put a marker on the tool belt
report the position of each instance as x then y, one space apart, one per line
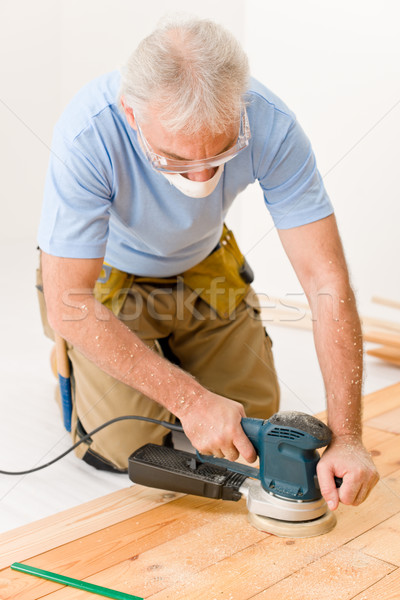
222 279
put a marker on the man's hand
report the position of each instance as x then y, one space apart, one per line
347 458
212 424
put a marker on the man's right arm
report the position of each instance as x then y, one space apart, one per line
76 315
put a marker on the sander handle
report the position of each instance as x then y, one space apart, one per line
179 471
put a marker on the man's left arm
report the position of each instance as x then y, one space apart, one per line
316 254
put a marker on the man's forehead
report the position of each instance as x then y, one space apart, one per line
169 154
180 146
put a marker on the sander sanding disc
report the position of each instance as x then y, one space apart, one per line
294 529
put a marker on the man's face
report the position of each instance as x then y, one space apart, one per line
183 147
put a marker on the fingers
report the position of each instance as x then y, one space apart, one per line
327 485
229 454
214 428
234 442
222 446
357 486
351 492
244 447
357 470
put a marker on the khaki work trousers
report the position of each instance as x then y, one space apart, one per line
229 356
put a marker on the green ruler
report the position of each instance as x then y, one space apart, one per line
76 583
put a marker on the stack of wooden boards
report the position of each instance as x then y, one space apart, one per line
289 312
389 341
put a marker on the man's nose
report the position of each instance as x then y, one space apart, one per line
203 175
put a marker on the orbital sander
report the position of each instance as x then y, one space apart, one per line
283 496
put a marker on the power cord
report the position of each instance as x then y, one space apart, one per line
166 424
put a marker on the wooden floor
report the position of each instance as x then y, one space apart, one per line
162 546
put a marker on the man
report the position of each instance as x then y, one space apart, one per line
149 288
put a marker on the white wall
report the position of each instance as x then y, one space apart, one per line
336 64
49 50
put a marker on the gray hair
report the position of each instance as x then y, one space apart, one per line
194 72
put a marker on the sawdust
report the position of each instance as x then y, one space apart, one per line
176 563
302 421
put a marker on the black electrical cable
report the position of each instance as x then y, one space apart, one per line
171 426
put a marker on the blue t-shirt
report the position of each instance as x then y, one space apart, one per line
103 198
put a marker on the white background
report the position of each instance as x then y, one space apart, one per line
335 63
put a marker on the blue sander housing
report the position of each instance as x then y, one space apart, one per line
283 496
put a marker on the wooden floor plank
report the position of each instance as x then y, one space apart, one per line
114 544
229 557
244 574
388 421
376 403
176 561
392 482
387 353
337 576
372 437
352 521
386 456
381 401
381 541
164 546
388 588
48 533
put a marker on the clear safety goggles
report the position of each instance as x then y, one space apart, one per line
171 165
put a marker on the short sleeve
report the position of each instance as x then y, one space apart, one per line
293 188
77 200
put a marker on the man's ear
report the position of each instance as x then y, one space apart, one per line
130 117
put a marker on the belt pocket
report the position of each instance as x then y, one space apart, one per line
222 278
112 288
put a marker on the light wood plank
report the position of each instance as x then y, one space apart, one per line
386 301
202 549
111 545
390 340
224 555
257 571
249 571
178 560
337 576
245 573
128 540
381 541
50 532
392 482
386 456
381 401
380 324
372 437
388 588
376 403
391 355
388 421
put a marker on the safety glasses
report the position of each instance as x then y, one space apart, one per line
170 165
